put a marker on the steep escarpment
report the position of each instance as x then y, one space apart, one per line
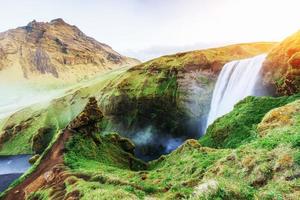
54 51
182 83
281 68
157 104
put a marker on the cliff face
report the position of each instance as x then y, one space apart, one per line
165 98
55 50
282 66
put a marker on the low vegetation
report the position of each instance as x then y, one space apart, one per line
266 167
238 127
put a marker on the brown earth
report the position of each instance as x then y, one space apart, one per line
49 170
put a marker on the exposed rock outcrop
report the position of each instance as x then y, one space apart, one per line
86 121
41 139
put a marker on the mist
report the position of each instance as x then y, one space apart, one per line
16 98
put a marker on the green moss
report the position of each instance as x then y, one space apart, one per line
94 190
239 126
39 195
92 153
297 158
248 172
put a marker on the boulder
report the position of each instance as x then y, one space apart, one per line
33 159
86 121
40 139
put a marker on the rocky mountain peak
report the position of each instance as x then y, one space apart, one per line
56 50
58 21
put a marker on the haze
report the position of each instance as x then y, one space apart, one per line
149 28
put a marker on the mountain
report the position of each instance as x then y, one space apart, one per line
54 51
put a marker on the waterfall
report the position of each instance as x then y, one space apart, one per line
236 81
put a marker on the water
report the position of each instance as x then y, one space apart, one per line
237 80
14 164
11 168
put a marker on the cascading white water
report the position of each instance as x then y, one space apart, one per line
236 81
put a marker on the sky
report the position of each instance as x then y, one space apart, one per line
146 29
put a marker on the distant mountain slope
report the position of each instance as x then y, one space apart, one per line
54 50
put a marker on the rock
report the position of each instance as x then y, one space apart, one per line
260 180
4 136
10 130
127 145
206 189
261 175
86 121
41 139
34 158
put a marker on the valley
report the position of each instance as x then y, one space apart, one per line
216 123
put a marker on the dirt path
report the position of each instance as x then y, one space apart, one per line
44 173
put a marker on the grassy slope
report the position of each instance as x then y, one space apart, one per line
205 58
267 167
264 168
238 127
